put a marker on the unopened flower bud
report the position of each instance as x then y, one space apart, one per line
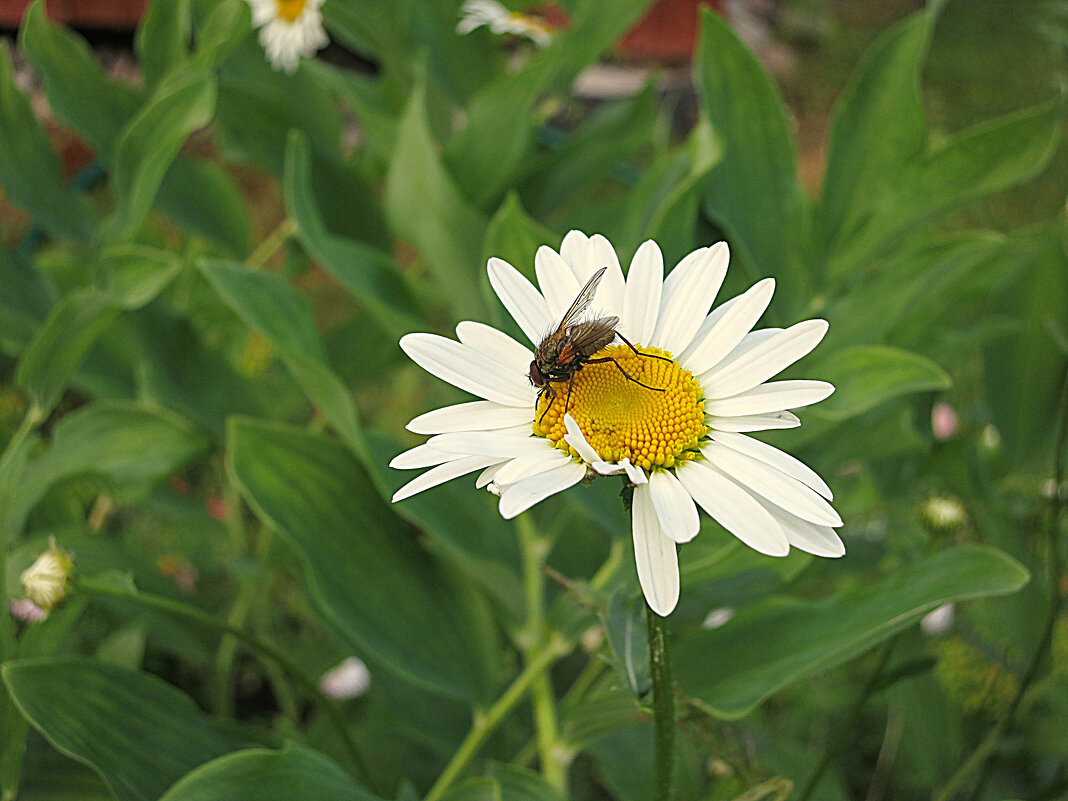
45 581
942 514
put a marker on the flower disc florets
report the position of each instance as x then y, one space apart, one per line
620 418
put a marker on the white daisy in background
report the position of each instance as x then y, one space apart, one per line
682 445
289 30
476 13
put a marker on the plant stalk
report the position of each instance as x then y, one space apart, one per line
170 606
486 724
663 706
272 242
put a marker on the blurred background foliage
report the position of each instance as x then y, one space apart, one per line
205 268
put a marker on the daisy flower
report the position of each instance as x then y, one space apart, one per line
476 13
677 426
289 30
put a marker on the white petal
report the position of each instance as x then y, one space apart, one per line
577 440
767 359
422 456
489 474
733 508
523 301
688 294
634 473
641 301
468 369
770 483
586 255
813 539
776 396
530 465
441 474
771 455
489 443
675 508
473 416
655 556
556 281
754 422
495 344
723 330
519 497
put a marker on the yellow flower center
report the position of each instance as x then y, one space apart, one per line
622 419
289 10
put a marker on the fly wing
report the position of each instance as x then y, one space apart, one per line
589 337
582 300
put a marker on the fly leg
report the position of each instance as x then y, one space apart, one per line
628 375
637 352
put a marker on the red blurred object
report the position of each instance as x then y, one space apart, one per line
667 32
119 14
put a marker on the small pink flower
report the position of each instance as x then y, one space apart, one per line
943 421
216 507
26 611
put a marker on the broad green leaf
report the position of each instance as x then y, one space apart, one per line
728 671
480 788
753 192
30 171
626 630
138 732
368 578
369 274
270 306
426 208
149 144
260 774
225 28
25 299
127 443
877 129
1023 372
489 150
967 166
521 784
60 344
202 198
136 274
600 146
72 75
371 104
162 39
867 375
514 236
663 206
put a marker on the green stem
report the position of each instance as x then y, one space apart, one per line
272 243
12 463
845 731
486 724
170 606
534 550
976 761
663 706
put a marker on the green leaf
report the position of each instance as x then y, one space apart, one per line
138 732
728 671
260 774
270 306
753 192
867 375
967 166
514 236
521 784
877 129
136 274
225 28
480 788
25 299
150 143
30 171
368 578
127 443
1023 372
426 208
72 74
203 198
497 137
162 40
60 344
369 274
